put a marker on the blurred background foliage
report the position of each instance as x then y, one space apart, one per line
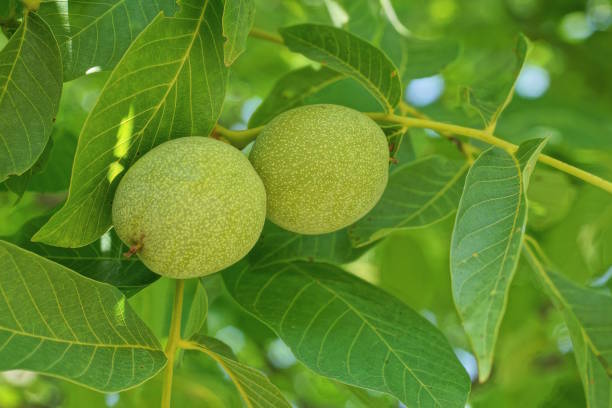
564 93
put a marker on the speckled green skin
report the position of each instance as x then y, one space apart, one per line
324 167
197 203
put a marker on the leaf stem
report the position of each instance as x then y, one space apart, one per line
492 140
264 35
238 138
174 340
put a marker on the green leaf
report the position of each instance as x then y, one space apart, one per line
292 90
277 244
492 89
344 328
169 84
417 58
487 241
57 322
19 184
254 387
418 194
196 304
350 55
102 260
588 315
30 88
96 34
238 17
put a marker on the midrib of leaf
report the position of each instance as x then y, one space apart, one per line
374 89
566 306
337 295
519 201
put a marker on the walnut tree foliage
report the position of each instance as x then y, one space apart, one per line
482 276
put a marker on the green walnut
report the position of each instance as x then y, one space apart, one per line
190 207
323 166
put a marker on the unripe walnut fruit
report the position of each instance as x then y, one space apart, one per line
190 207
323 166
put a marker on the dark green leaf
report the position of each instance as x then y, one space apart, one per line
418 194
238 16
102 260
346 329
30 88
588 315
57 322
291 91
348 54
96 34
254 387
486 243
279 245
169 84
196 308
19 184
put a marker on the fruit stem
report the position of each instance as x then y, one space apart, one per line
174 339
238 138
492 140
264 35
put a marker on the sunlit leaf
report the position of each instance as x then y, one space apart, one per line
487 241
170 83
588 315
344 328
418 194
54 321
291 91
30 88
254 387
238 18
349 54
93 34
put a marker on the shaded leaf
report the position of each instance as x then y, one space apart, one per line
486 243
195 303
492 89
254 387
57 322
348 54
102 260
291 91
170 84
19 184
418 194
238 16
96 34
277 244
588 315
30 89
344 328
